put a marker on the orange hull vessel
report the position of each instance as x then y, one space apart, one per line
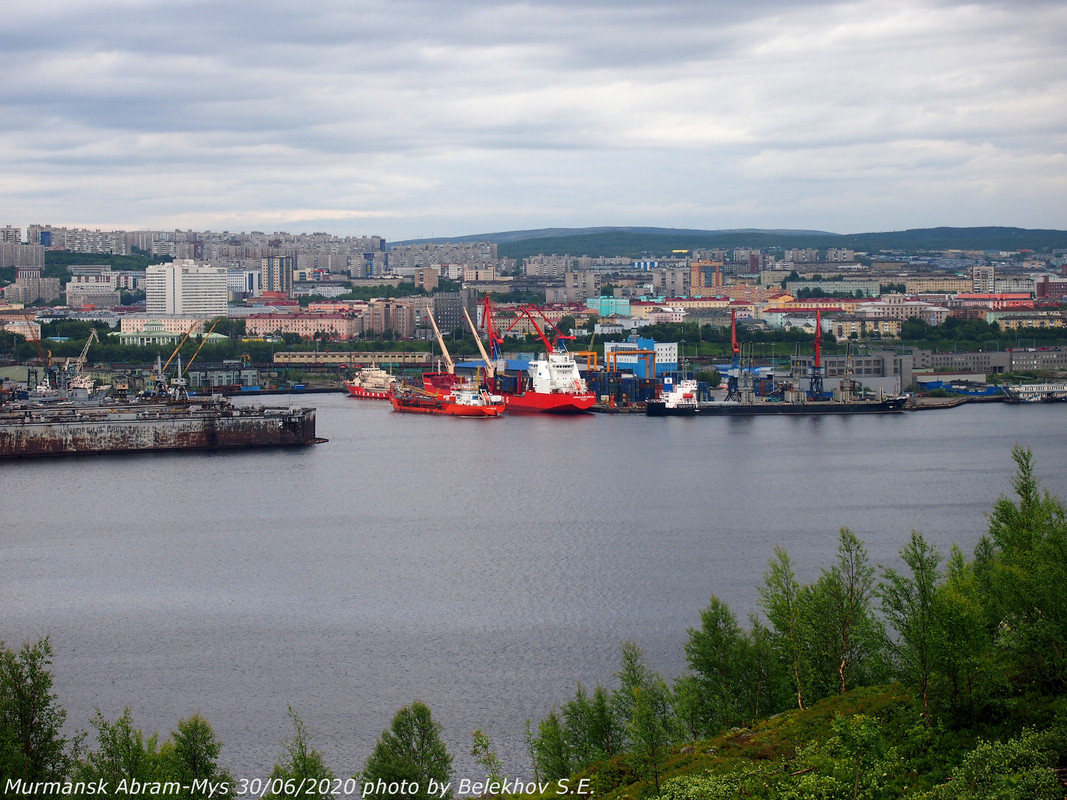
460 401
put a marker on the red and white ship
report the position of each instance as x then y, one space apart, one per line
370 383
550 385
462 400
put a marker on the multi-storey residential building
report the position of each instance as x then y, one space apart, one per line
671 282
427 279
581 286
548 266
849 326
1027 320
11 234
79 240
277 274
243 283
898 306
840 255
983 279
802 255
100 290
406 257
477 274
933 284
30 286
183 287
392 317
13 254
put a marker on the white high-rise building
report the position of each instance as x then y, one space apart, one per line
183 287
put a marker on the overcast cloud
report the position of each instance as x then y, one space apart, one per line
413 118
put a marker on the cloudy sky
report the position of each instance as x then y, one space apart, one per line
419 118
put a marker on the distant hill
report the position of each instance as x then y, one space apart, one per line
640 242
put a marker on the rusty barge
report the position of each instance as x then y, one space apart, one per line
137 427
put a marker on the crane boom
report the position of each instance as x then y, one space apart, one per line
490 370
179 347
85 350
495 340
441 341
203 341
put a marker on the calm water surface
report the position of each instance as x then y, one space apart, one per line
481 566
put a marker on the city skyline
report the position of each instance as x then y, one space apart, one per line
416 120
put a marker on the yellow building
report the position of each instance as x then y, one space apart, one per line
843 327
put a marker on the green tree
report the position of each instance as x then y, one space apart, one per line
32 746
780 598
845 612
651 729
909 602
123 755
633 674
483 753
410 753
961 639
719 654
591 730
1026 574
550 749
859 739
193 753
301 765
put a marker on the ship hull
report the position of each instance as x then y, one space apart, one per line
32 433
550 403
460 402
364 393
814 408
657 408
442 407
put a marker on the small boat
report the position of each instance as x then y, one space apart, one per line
370 383
462 400
679 401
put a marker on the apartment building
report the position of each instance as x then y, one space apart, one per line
184 287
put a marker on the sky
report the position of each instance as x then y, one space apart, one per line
426 118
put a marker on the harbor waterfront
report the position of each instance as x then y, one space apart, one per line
483 569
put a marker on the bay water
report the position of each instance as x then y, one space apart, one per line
482 566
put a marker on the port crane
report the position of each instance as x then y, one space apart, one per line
733 391
158 382
440 382
496 341
490 368
815 383
556 345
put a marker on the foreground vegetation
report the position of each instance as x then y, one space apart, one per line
945 680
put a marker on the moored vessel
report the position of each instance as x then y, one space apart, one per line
154 426
370 383
680 400
550 385
461 400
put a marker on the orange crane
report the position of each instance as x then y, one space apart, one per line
733 391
